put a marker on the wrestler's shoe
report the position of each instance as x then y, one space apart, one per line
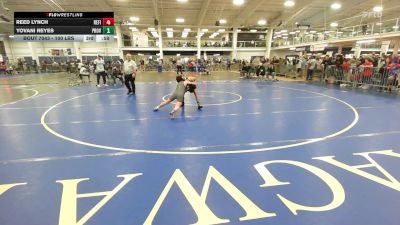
172 115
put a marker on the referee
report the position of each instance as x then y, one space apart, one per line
130 70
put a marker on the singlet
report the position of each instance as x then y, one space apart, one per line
179 92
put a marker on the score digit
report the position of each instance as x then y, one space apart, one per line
108 21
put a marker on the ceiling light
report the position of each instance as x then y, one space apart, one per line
366 41
221 30
289 3
292 32
204 30
395 27
180 20
327 32
262 22
222 21
169 29
336 5
283 31
134 19
182 0
379 24
378 8
253 30
340 32
284 34
285 37
313 32
187 29
238 2
334 24
297 31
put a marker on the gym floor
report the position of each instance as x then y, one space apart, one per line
259 152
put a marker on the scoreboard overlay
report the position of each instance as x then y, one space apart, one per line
64 26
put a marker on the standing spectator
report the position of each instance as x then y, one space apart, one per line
311 66
116 72
368 70
364 29
100 70
142 67
339 62
394 73
179 66
3 68
130 70
298 63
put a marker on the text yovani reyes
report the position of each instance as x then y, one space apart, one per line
205 214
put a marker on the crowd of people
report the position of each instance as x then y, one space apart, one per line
376 69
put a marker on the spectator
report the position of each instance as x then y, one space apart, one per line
311 66
271 72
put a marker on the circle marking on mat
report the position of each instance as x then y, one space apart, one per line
309 141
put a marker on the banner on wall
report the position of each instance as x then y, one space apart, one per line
317 48
61 52
303 49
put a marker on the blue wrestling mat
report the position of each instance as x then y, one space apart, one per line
258 153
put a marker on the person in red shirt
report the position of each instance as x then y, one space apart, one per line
346 68
368 70
3 68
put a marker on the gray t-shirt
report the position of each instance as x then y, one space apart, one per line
99 65
312 64
129 67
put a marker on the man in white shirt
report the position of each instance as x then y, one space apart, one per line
312 65
130 69
100 71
